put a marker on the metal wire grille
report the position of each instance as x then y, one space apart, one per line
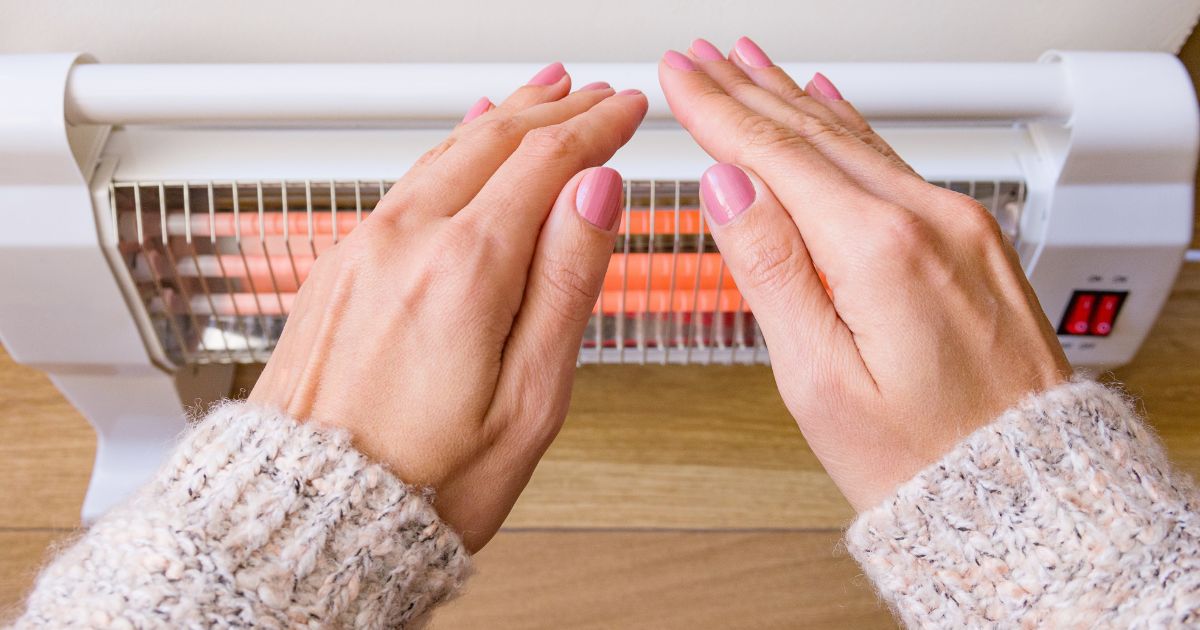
217 266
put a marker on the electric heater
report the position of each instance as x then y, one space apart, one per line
156 221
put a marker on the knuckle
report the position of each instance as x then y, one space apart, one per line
760 134
569 293
742 88
898 235
497 129
863 129
772 263
553 142
973 221
818 131
858 125
544 408
433 154
793 93
398 197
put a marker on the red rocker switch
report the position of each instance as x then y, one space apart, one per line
1092 313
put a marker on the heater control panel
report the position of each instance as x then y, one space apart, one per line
1092 313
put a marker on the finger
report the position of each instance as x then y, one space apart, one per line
738 78
824 201
872 169
770 263
447 185
820 99
481 107
924 194
565 277
596 85
750 58
513 204
548 84
821 89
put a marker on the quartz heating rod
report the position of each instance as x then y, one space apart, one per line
217 266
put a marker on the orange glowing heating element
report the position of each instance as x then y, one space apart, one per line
258 260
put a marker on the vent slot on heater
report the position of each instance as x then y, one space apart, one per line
217 266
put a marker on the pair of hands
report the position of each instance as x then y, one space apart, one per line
443 332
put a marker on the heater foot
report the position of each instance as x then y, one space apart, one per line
137 418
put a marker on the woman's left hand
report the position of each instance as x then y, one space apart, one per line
443 331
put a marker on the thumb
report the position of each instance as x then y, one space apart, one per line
768 259
564 279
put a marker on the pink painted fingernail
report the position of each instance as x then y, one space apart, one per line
477 109
599 197
751 53
549 75
678 60
706 51
826 87
596 85
629 92
726 191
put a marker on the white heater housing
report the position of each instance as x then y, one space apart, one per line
155 220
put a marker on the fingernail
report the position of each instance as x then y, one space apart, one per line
599 197
751 53
477 109
549 75
826 87
726 191
679 61
596 85
706 51
629 92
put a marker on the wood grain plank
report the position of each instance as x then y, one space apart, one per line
21 553
665 580
590 579
671 446
46 451
1165 374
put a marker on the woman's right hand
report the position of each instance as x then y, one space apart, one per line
897 315
442 333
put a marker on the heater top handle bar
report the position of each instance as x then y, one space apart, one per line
122 94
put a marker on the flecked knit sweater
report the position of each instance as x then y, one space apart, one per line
1061 513
257 522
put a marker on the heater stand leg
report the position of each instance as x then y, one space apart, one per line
137 418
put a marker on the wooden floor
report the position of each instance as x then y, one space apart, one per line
674 498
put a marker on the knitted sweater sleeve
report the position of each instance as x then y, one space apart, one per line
1061 513
257 521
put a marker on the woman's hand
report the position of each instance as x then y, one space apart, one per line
443 332
897 316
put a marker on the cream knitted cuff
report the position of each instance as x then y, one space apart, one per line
1061 513
258 521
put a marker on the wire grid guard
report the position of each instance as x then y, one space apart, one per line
217 266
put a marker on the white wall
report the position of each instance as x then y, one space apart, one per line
615 30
